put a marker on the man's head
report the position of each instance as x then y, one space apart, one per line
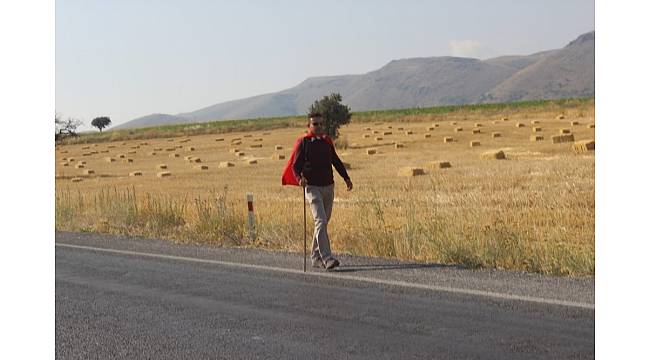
316 123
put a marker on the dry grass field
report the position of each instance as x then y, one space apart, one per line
532 211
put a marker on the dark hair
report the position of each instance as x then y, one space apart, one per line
314 115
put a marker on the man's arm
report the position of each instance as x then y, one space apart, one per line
299 160
338 165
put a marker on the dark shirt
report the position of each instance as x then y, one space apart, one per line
317 167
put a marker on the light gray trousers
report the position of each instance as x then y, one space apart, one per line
320 199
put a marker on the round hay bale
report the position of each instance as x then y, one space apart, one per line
170 149
474 143
375 132
258 139
128 160
153 153
558 139
135 173
64 163
81 162
190 148
440 164
371 151
431 128
225 164
504 119
400 128
164 174
452 123
410 171
121 156
494 154
536 138
367 129
161 166
495 122
447 139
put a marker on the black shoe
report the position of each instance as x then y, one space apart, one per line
318 263
331 264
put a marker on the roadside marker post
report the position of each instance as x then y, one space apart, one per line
251 216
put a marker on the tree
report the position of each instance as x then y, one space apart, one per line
101 122
334 113
65 128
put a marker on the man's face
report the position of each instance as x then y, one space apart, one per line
316 125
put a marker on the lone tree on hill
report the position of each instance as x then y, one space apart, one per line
334 113
101 122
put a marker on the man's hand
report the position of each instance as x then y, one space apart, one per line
348 182
303 181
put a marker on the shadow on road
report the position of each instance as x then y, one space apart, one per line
375 267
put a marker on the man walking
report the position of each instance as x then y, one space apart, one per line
310 166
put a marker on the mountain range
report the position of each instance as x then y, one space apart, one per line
420 82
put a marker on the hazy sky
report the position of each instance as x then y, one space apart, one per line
127 59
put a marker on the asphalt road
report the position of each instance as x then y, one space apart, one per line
119 297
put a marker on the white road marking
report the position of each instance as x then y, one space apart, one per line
489 294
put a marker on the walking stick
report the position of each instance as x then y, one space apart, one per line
304 243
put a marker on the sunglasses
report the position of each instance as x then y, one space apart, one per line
315 124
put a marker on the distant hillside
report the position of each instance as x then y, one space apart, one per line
421 82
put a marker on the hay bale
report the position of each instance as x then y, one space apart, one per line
200 167
495 122
225 164
410 171
408 132
81 162
452 123
476 131
447 139
109 159
379 138
390 127
218 139
170 140
86 154
537 129
85 147
190 148
278 147
80 166
89 172
235 143
431 128
179 146
170 149
557 139
64 163
398 146
248 135
365 136
153 153
64 151
387 133
235 139
194 160
135 173
128 160
519 125
504 119
458 129
494 154
591 126
367 129
474 143
164 174
536 138
174 155
560 117
277 157
131 152
121 156
534 122
574 123
565 131
104 151
375 132
583 146
440 164
71 159
400 128
234 150
371 151
161 166
258 139
253 146
426 136
240 154
76 179
252 162
185 140
478 125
